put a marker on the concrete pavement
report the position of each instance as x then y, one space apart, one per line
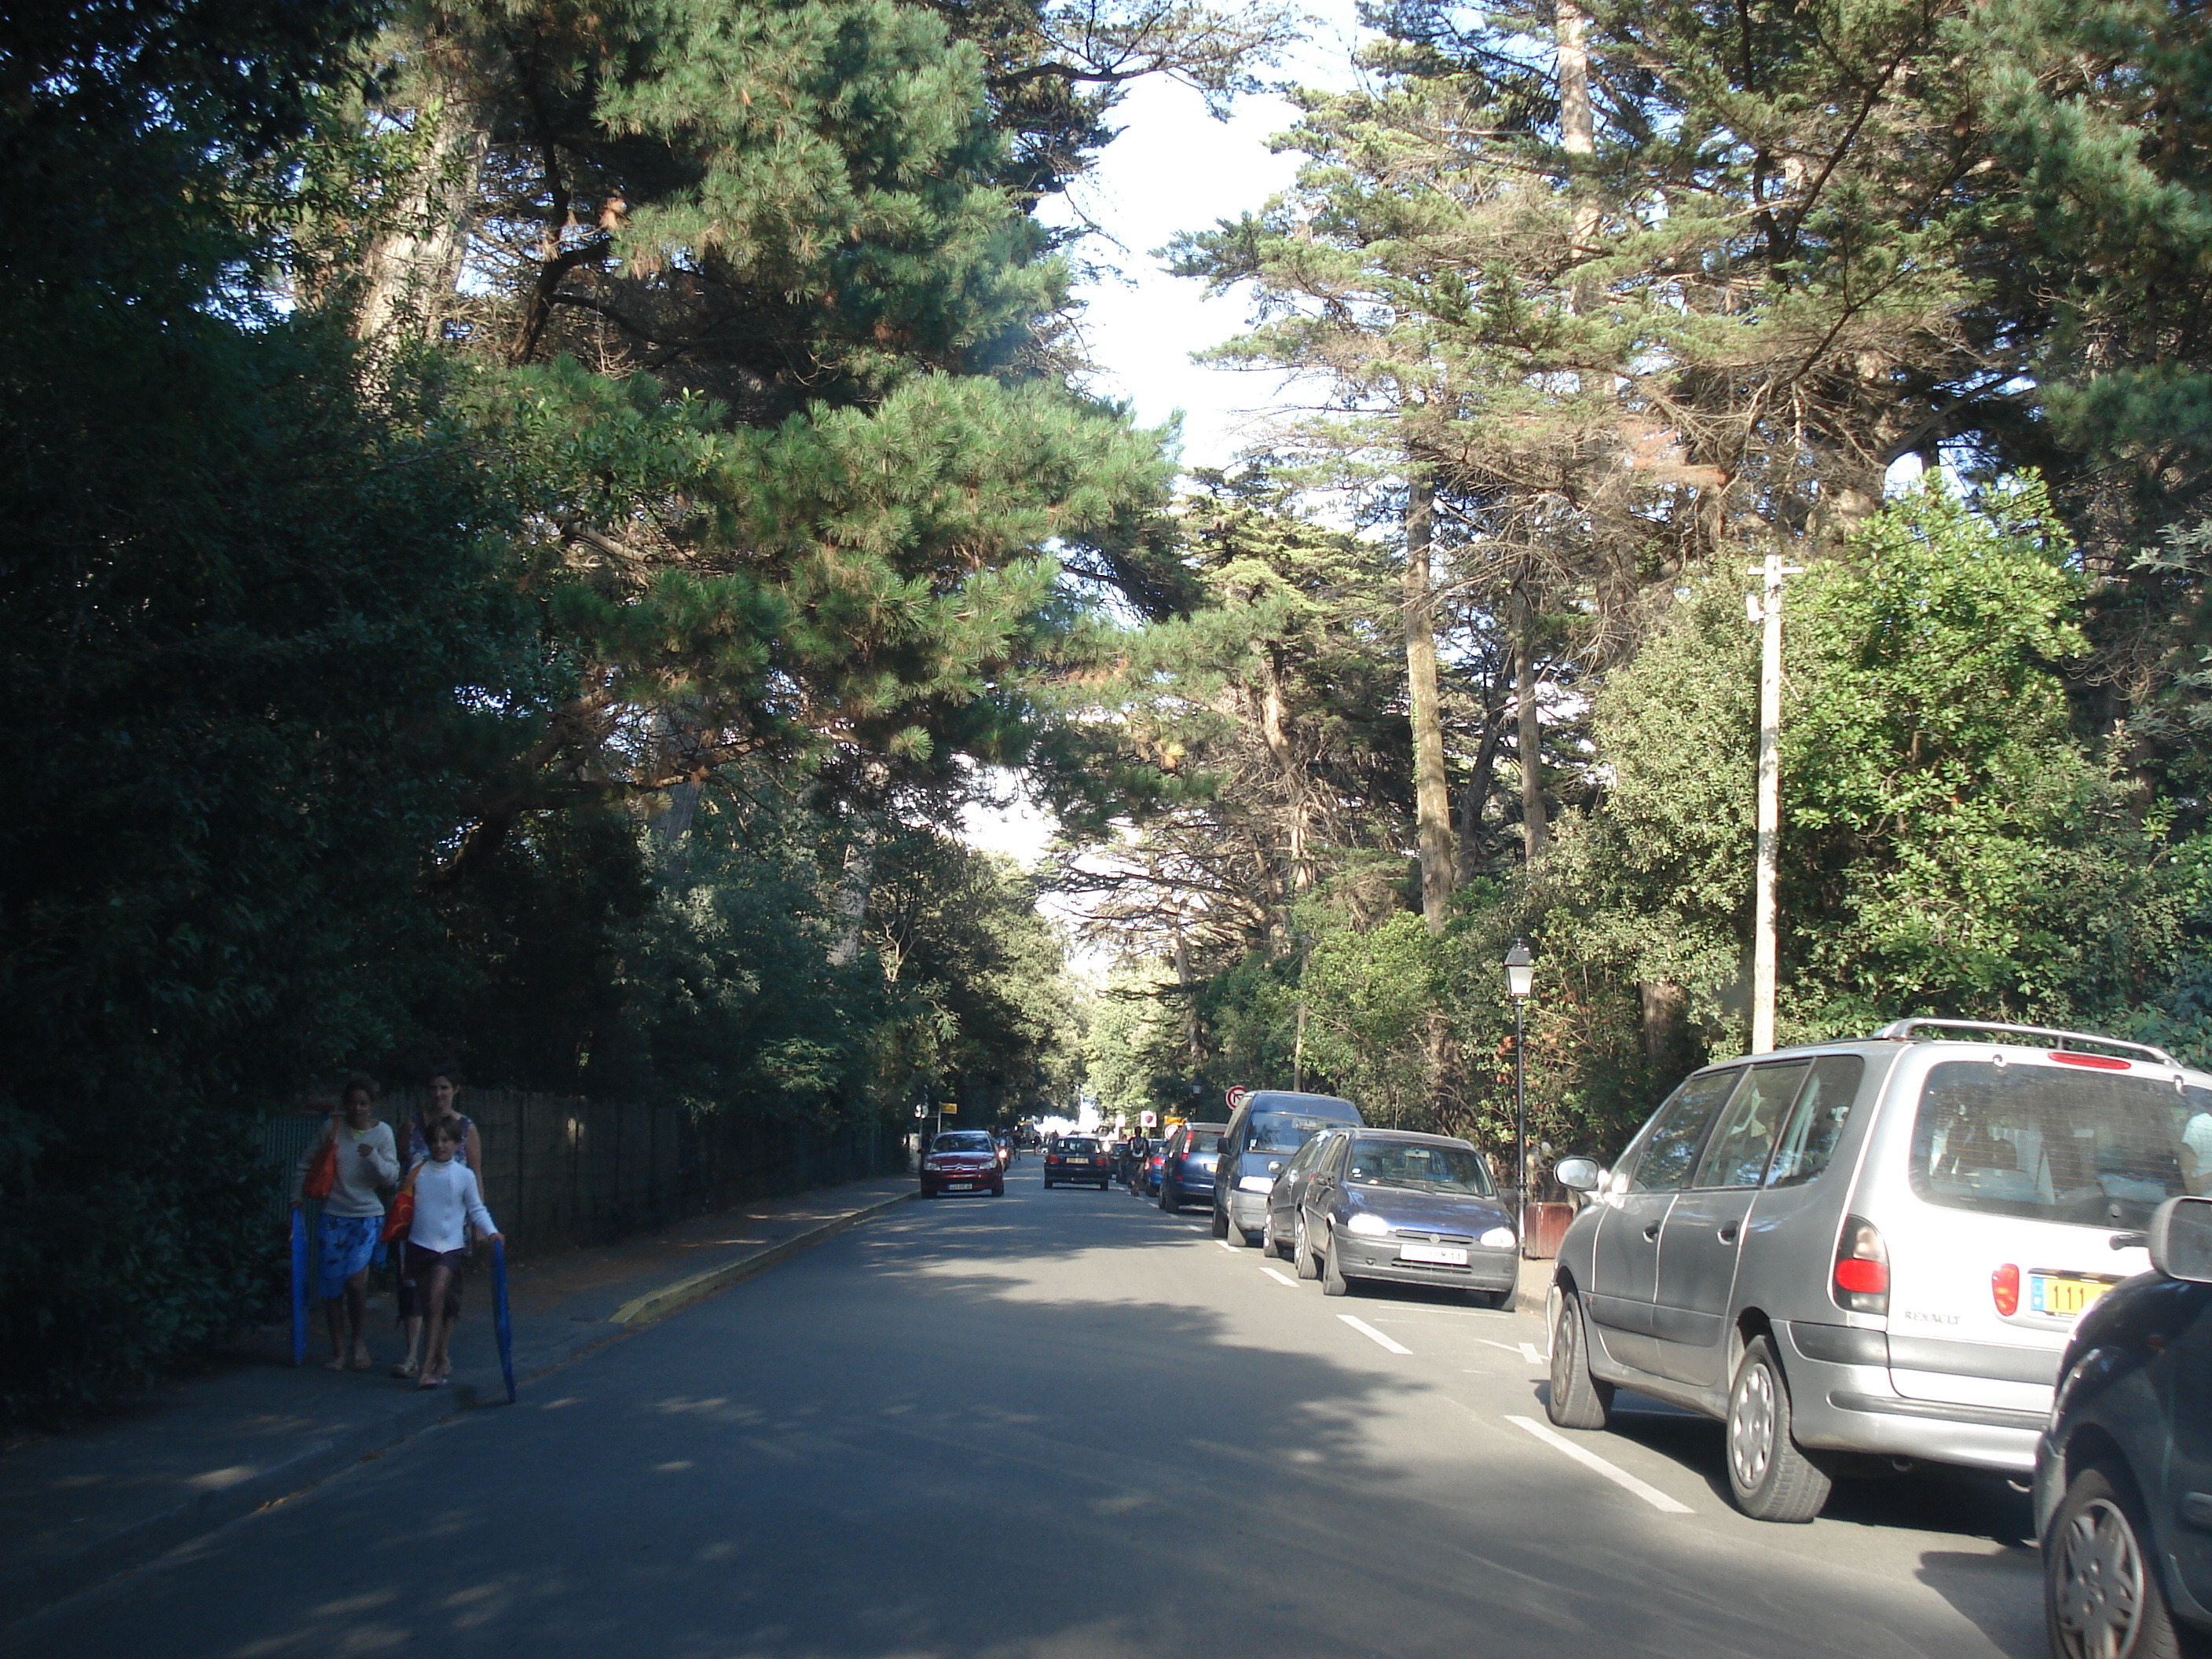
1066 1425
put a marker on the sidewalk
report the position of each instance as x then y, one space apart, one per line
193 1454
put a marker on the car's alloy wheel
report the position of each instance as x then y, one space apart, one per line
1575 1400
1771 1479
2102 1598
1302 1250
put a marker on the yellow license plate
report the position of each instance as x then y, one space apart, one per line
2062 1297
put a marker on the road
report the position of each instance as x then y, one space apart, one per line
1064 1424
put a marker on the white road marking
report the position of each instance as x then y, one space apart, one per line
1280 1279
1372 1334
1526 1350
1590 1459
1226 1245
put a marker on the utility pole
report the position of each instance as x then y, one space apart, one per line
1767 612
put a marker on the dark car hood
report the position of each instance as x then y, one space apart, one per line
1434 1213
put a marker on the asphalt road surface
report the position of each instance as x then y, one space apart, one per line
1064 1423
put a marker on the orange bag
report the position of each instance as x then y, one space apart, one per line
401 1216
323 1173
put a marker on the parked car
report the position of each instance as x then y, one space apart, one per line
1264 1133
1876 1246
1187 1165
1288 1191
1078 1160
1145 1179
2124 1474
1415 1209
961 1161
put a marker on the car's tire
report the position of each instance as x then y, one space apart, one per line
1169 1201
1332 1279
1491 1298
1047 1183
2101 1593
1220 1224
1302 1253
1770 1477
1576 1399
998 1191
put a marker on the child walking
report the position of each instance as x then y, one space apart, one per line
352 1215
447 1200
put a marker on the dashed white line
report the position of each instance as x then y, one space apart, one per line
1620 1477
1372 1334
1280 1279
1526 1350
1226 1245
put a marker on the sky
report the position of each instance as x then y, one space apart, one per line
1174 167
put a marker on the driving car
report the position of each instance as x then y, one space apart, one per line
961 1161
1413 1208
2123 1473
1266 1128
1146 1182
1186 1164
1078 1160
1872 1246
1288 1191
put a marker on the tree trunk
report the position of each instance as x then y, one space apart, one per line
1535 826
853 886
1577 129
1275 734
412 268
1432 794
1472 799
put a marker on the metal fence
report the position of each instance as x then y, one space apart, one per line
561 1171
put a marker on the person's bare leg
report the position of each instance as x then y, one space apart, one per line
414 1324
356 1307
334 1313
431 1287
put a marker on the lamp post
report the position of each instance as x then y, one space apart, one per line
1520 979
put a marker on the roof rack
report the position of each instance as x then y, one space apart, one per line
1901 1030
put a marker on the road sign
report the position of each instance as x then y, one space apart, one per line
950 1109
1150 1120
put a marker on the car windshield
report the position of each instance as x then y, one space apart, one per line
1416 1164
966 1140
1285 1132
1079 1148
2095 1149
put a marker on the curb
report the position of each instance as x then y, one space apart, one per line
654 1305
27 1590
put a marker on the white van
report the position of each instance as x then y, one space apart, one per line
1877 1246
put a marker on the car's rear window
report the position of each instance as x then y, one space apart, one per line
1285 1132
1079 1148
971 1140
2093 1148
1413 1163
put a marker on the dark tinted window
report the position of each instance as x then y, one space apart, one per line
964 1140
1077 1148
1816 1123
1735 1152
2057 1144
1659 1160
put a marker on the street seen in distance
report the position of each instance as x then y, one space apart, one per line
1065 1424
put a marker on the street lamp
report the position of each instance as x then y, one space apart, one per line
1520 979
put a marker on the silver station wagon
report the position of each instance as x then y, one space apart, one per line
1873 1247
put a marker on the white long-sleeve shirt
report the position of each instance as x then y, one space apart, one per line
446 1197
353 1190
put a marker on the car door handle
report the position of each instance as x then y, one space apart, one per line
1729 1232
1652 1231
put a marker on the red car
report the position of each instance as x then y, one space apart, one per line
1076 1159
963 1161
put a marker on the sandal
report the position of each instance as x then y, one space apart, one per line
431 1382
335 1362
362 1362
405 1368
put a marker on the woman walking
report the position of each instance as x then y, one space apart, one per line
445 1085
447 1202
352 1215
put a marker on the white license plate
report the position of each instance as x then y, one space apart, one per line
959 1186
1438 1255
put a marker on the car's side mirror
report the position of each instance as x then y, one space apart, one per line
1577 1174
2181 1239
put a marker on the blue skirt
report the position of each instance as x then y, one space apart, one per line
344 1245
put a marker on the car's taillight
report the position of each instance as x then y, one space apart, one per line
2004 1289
1861 1268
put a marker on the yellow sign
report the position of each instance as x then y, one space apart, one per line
953 1110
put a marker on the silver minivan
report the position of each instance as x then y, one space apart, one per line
1876 1246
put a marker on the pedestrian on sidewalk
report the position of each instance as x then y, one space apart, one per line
444 1088
447 1201
352 1216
